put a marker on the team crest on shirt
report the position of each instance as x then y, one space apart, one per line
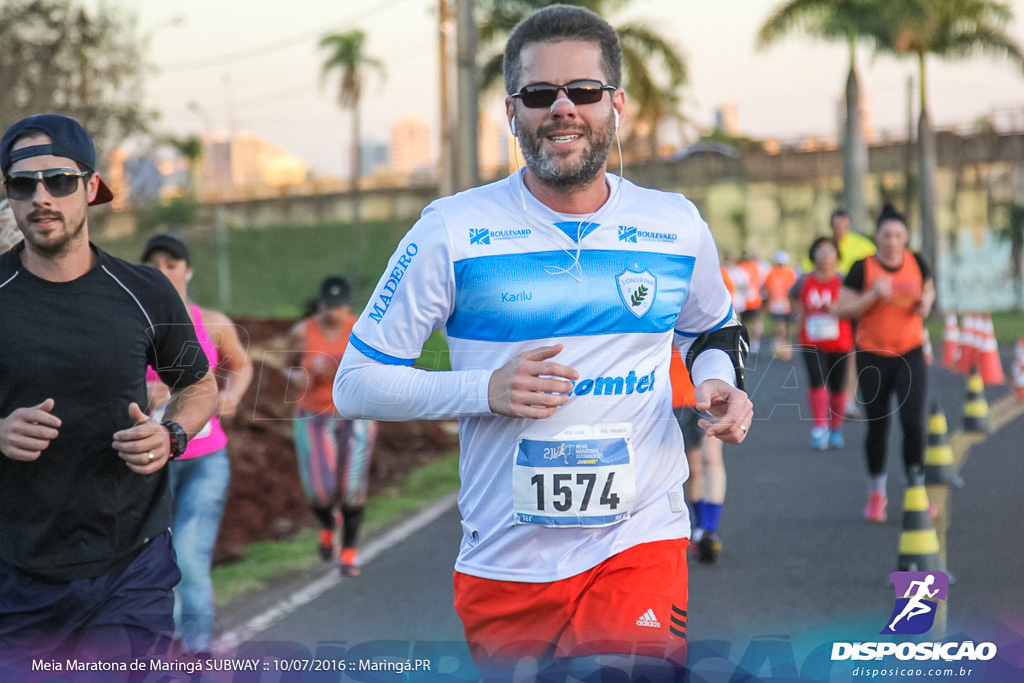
637 290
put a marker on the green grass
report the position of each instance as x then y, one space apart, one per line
435 354
1008 325
267 560
275 270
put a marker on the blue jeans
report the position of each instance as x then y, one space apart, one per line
199 487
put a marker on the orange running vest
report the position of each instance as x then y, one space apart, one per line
892 327
320 360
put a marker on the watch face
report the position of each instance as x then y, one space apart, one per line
179 438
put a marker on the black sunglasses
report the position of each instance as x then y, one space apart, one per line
59 182
540 95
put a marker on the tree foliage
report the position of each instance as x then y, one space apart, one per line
346 54
948 29
831 20
56 56
836 20
654 71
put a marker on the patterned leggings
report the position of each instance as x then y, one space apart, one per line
334 458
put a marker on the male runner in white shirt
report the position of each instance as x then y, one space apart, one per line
560 290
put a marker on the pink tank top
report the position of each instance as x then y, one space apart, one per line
211 437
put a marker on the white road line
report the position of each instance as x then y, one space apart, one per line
261 622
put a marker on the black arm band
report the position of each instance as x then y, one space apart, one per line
732 339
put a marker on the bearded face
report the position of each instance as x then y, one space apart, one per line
567 169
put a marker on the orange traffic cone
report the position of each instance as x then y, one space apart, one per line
950 339
968 353
1018 368
989 365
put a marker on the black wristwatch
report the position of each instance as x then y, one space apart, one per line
179 439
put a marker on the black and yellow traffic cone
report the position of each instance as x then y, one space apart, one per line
939 465
976 407
919 544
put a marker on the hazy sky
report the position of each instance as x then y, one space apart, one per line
255 67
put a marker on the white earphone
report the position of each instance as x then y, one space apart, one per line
513 124
616 112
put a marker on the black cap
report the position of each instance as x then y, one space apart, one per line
169 243
335 291
67 139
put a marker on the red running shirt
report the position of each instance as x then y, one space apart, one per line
820 327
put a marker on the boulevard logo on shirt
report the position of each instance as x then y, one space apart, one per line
632 235
486 235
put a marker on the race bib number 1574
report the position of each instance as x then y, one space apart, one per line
574 481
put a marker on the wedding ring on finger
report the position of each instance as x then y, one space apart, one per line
151 456
743 428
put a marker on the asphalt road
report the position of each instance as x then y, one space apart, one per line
800 568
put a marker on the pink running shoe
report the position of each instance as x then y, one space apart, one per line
875 510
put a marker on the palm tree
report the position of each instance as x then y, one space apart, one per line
655 102
346 55
949 29
644 53
849 21
191 149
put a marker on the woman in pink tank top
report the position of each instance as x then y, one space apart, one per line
199 478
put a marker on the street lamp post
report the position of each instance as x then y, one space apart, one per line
220 228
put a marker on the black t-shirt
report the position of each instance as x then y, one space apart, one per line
77 511
855 278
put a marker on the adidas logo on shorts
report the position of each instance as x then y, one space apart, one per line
648 619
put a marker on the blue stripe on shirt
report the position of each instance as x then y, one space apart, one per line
721 324
519 297
376 355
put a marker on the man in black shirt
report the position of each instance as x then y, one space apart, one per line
86 563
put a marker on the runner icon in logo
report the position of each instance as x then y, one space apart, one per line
917 595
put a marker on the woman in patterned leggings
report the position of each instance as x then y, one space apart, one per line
333 454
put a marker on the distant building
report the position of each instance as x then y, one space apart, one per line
411 146
866 125
285 169
492 145
143 179
727 118
216 171
247 160
115 179
373 157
